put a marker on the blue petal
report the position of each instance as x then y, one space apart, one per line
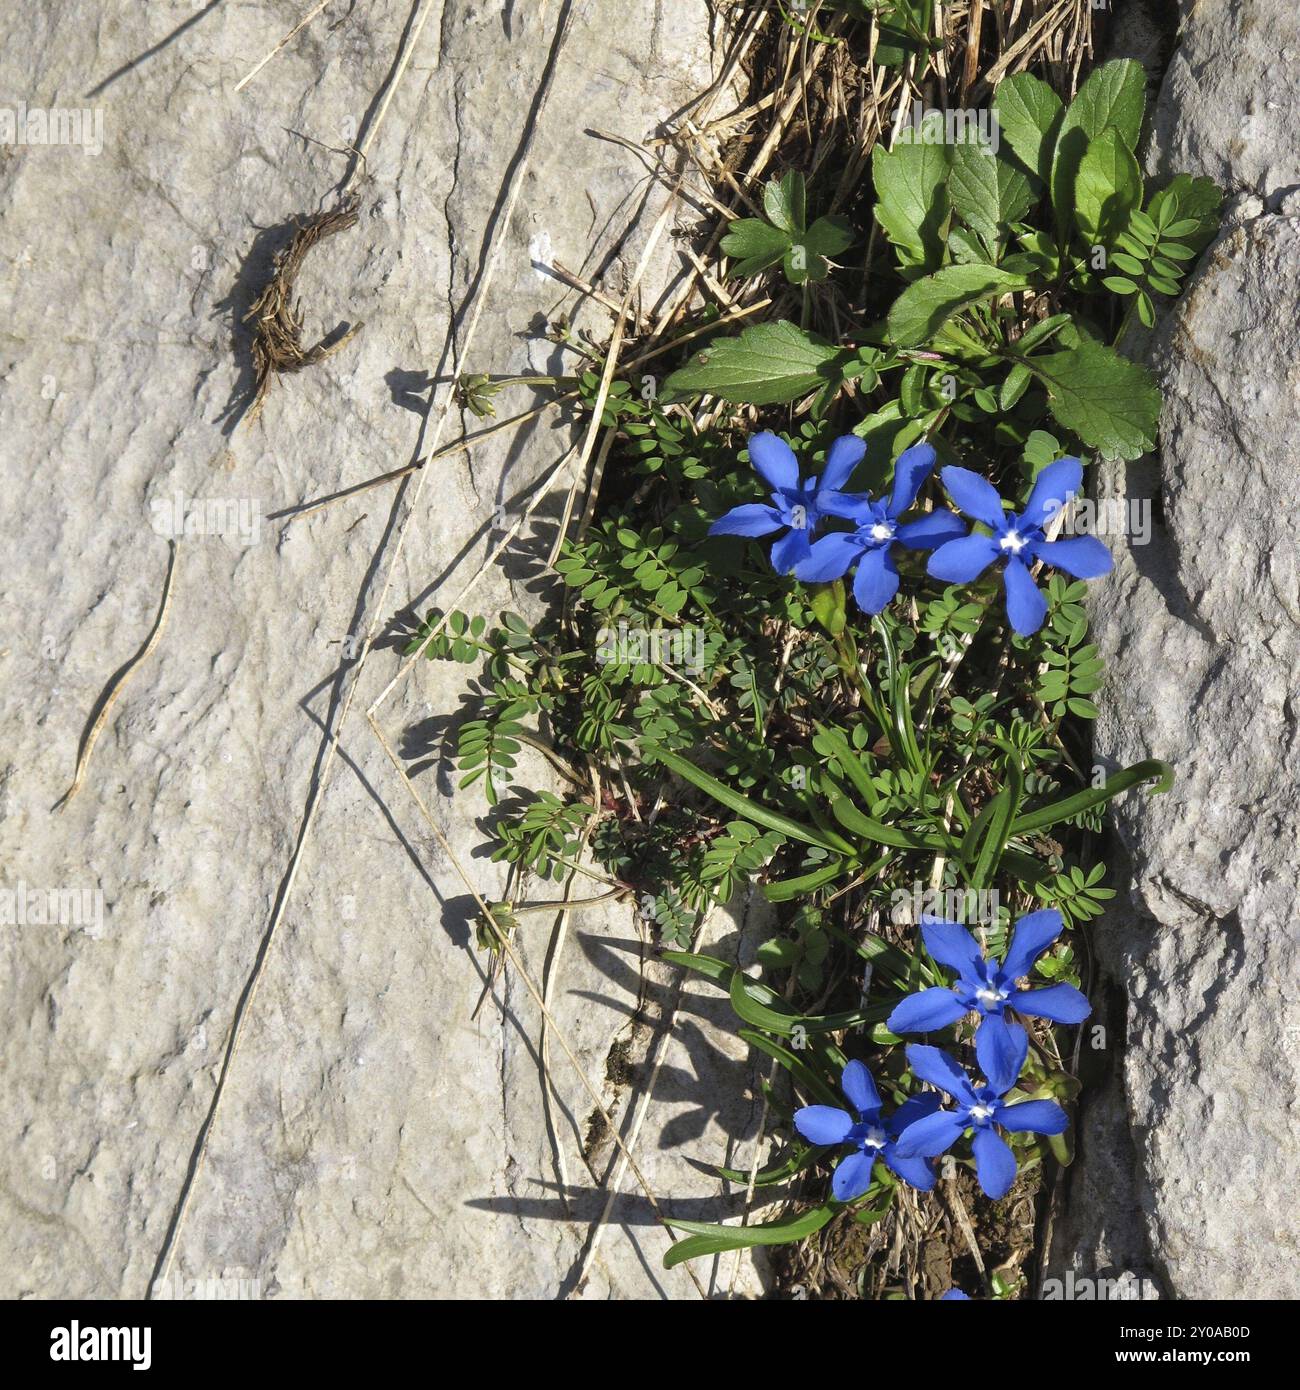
823 1124
936 1067
1033 934
952 945
994 1162
876 581
751 519
961 560
853 1176
1034 1117
791 550
911 470
841 459
926 1012
1084 557
774 460
828 558
1061 1003
954 1296
856 506
913 1169
1001 1049
859 1088
1052 489
912 1109
974 495
934 528
1026 606
931 1136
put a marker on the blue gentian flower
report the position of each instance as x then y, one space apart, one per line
1019 540
868 1131
879 529
979 1107
989 986
798 505
954 1296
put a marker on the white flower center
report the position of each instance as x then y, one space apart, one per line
981 1112
875 1139
881 531
1014 542
989 995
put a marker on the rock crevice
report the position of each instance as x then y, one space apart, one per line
1188 1139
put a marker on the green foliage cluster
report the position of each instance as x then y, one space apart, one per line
744 729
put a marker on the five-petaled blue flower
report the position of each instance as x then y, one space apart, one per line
879 529
798 505
868 1131
979 1107
989 986
1019 540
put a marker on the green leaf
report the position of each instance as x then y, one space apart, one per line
1112 404
912 201
768 364
1041 255
828 608
1112 98
784 890
754 245
966 248
922 308
718 971
1152 770
796 1066
998 830
742 805
708 1239
828 736
809 257
763 1008
1198 201
1144 228
785 203
1107 189
900 21
1029 115
987 193
1018 378
1041 332
781 1169
1130 265
857 823
1041 449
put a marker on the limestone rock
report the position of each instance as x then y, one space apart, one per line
1188 1156
375 1136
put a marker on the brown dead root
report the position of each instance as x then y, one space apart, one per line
277 318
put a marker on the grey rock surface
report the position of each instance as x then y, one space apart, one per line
375 1137
1190 1136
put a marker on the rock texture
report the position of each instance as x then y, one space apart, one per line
1188 1156
375 1137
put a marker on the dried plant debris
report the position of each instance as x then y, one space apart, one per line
277 318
